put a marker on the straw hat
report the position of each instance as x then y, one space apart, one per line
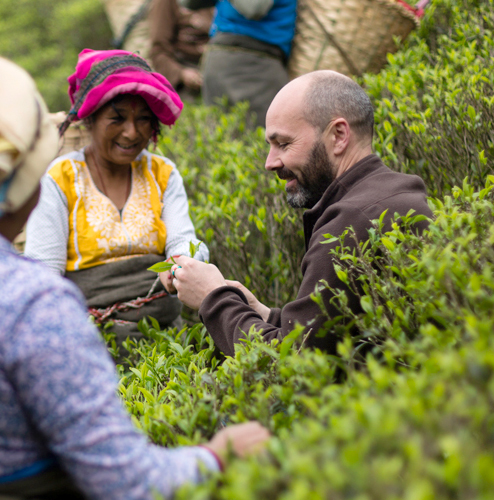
28 138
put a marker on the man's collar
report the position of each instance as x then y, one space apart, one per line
339 188
342 184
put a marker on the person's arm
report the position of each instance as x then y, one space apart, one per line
65 381
263 310
163 26
47 230
163 19
225 310
179 228
253 9
202 286
228 317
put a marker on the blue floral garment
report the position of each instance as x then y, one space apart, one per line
58 394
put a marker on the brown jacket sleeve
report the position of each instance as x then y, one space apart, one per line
227 315
163 27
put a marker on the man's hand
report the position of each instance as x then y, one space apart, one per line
241 439
191 78
193 280
259 307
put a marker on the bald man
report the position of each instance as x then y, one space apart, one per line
319 128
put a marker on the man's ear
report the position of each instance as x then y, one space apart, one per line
337 134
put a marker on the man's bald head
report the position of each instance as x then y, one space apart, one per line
326 95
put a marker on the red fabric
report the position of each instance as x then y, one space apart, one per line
218 459
154 88
418 12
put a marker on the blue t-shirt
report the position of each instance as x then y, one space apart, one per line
277 27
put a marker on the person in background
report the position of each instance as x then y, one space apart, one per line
168 35
178 38
113 209
129 21
63 431
248 51
319 130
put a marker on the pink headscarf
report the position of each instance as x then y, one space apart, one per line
100 75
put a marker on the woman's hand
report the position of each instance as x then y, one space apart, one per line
167 278
193 280
241 439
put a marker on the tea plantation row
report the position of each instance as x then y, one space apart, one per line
413 418
406 410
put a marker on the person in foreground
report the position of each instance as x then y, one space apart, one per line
319 128
111 210
63 431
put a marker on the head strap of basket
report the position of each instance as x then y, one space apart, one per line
101 75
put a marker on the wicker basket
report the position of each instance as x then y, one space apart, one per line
75 137
119 14
348 36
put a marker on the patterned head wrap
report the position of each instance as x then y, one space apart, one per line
28 138
100 75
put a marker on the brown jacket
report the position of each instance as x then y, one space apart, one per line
354 199
178 37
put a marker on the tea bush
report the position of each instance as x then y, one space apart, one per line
414 421
405 409
438 285
434 117
45 36
435 101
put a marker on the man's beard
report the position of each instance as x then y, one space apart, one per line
314 178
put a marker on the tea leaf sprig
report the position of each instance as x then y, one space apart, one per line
161 267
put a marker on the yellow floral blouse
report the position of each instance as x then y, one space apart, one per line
75 226
98 233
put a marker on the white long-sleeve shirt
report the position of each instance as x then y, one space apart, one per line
47 230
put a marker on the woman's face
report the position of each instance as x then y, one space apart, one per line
121 130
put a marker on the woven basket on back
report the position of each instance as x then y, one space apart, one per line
120 13
75 137
348 36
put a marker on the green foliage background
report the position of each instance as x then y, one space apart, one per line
412 418
45 36
434 108
434 101
406 409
